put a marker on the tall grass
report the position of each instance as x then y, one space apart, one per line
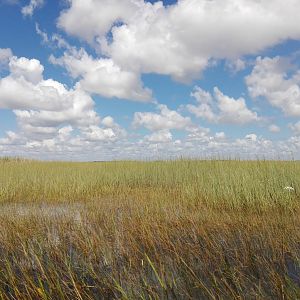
182 229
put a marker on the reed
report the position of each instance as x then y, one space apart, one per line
183 229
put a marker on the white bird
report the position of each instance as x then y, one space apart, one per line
289 188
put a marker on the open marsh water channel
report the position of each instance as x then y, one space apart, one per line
44 210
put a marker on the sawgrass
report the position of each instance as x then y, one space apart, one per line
183 229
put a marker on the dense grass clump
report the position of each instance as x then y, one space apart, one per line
182 229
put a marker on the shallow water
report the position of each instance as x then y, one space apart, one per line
60 210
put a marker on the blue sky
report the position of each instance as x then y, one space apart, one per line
104 80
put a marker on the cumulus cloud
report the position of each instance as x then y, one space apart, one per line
110 131
97 17
9 139
274 128
166 119
129 38
54 40
102 145
49 113
102 76
220 135
5 55
95 133
296 128
30 70
220 108
29 9
269 79
236 65
161 136
42 101
204 109
233 110
199 134
138 37
253 145
152 38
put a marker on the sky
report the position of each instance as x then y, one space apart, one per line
89 80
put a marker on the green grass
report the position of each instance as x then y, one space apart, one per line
182 229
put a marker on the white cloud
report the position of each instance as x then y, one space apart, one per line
220 135
48 113
274 128
202 96
29 69
108 121
5 55
236 65
102 145
41 101
254 147
41 33
221 108
29 9
102 76
73 107
180 39
64 133
138 37
232 110
166 119
251 137
199 134
296 128
96 133
54 41
269 79
161 136
292 146
204 109
96 16
130 38
9 139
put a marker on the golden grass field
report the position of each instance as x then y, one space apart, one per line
183 229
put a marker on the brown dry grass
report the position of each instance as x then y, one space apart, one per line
155 230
